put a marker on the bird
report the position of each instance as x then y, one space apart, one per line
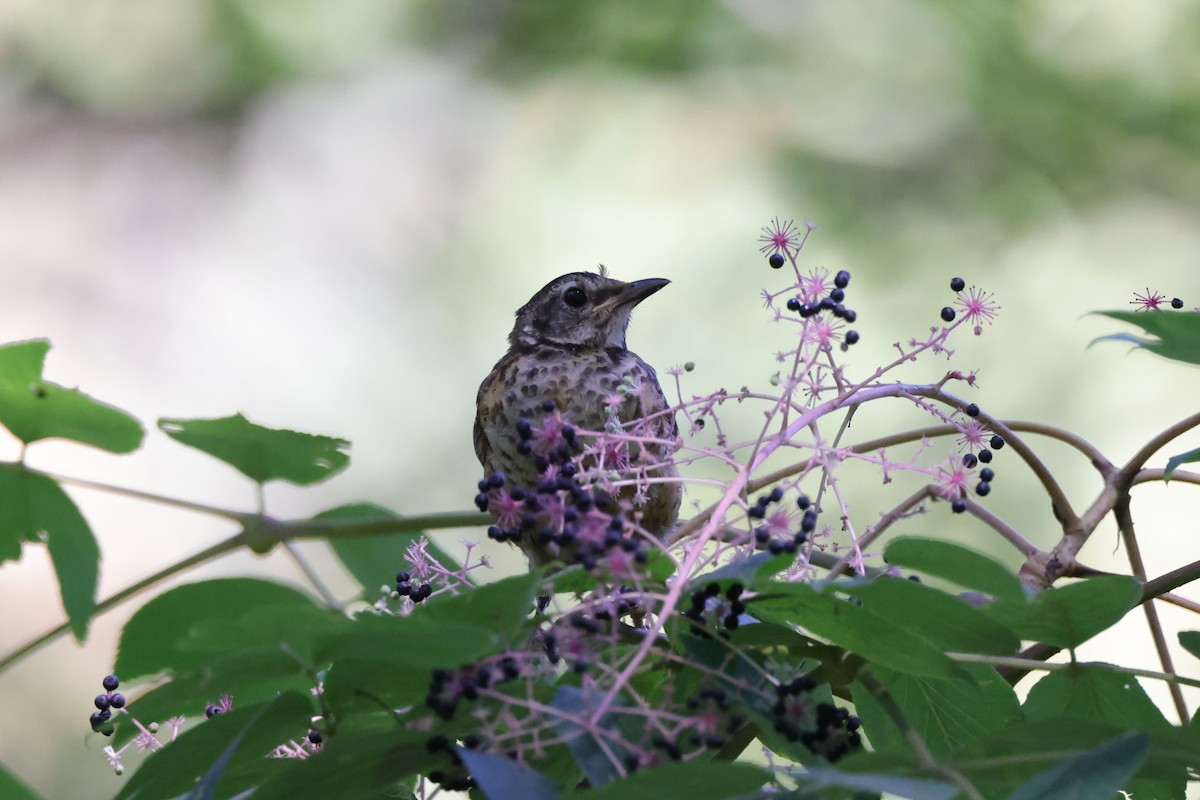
567 357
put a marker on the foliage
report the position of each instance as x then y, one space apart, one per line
641 667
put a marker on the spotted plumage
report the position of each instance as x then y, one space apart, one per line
568 345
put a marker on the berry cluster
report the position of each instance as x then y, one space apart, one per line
825 729
404 588
776 537
574 523
448 687
707 727
455 778
834 303
726 609
983 455
105 703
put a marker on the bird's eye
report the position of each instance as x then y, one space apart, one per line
575 297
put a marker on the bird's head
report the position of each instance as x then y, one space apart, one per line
581 309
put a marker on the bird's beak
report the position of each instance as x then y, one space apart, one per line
631 294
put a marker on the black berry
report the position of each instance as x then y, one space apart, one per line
776 260
1176 303
948 314
985 456
957 284
997 442
851 337
986 474
972 410
111 683
983 488
958 505
842 279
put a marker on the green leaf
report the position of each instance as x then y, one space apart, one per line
949 714
593 758
1095 774
858 629
388 660
501 778
759 567
1190 641
953 562
1097 694
1173 462
35 409
262 454
13 788
696 780
206 788
249 678
180 629
1178 333
361 761
175 770
501 607
375 560
1003 761
33 505
894 785
944 621
1067 616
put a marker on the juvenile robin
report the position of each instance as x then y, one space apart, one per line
568 347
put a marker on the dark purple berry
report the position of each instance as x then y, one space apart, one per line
1176 303
211 710
111 683
851 337
948 314
776 260
969 460
997 442
314 736
102 701
972 410
802 502
842 279
837 295
983 488
793 304
985 456
986 474
850 315
957 284
117 700
958 505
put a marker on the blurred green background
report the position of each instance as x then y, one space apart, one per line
323 215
